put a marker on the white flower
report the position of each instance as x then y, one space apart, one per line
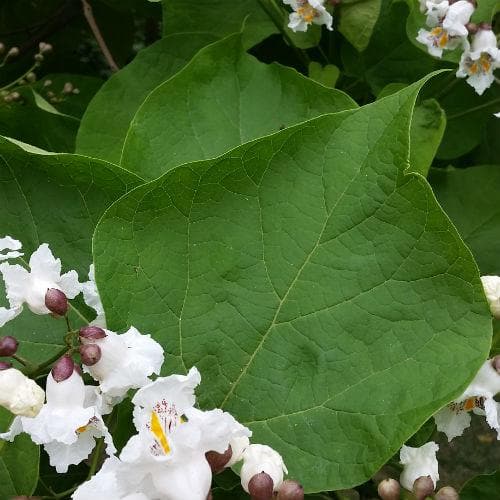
436 12
491 286
307 12
497 115
478 397
451 33
31 286
167 456
8 243
261 458
65 427
424 4
418 462
19 394
238 447
92 298
127 360
478 62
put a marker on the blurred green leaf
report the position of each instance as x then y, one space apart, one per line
486 486
357 21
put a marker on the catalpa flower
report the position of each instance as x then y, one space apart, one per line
306 12
167 456
436 12
92 298
479 60
30 287
418 462
12 245
478 397
451 32
64 426
126 361
19 394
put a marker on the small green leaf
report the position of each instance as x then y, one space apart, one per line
326 75
222 98
357 20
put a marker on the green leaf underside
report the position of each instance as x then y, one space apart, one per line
223 98
470 198
55 199
106 121
219 17
357 20
18 463
328 302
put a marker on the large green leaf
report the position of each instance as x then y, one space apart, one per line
326 298
357 20
18 463
55 199
470 197
485 486
221 99
218 17
106 121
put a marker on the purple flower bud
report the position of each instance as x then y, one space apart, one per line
261 487
91 333
8 346
4 365
56 301
90 354
78 369
423 487
63 368
389 489
447 493
290 490
218 461
495 362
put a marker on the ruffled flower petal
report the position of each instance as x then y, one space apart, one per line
418 462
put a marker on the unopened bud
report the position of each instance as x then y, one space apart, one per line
76 91
447 493
261 487
22 81
31 77
63 368
218 461
90 354
15 96
290 490
38 57
44 48
89 333
472 28
68 88
13 52
56 301
389 489
495 362
8 346
47 83
8 98
423 487
4 365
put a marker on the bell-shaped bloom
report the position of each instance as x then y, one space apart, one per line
479 60
451 33
12 246
238 446
19 394
454 418
261 458
92 298
167 456
64 426
23 286
436 12
307 12
127 361
418 462
491 286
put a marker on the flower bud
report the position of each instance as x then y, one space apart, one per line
44 47
63 369
90 354
290 490
423 487
68 88
495 362
472 28
8 346
447 493
76 91
89 333
389 489
13 52
47 83
218 461
56 301
4 365
38 57
261 487
15 96
31 77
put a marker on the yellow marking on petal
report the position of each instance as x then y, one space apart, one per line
159 433
470 404
485 62
81 429
307 13
473 68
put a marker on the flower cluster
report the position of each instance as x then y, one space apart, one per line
177 447
450 27
307 12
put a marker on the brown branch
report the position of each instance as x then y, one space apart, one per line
89 15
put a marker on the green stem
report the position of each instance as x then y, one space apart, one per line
323 54
476 108
11 84
39 369
96 455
